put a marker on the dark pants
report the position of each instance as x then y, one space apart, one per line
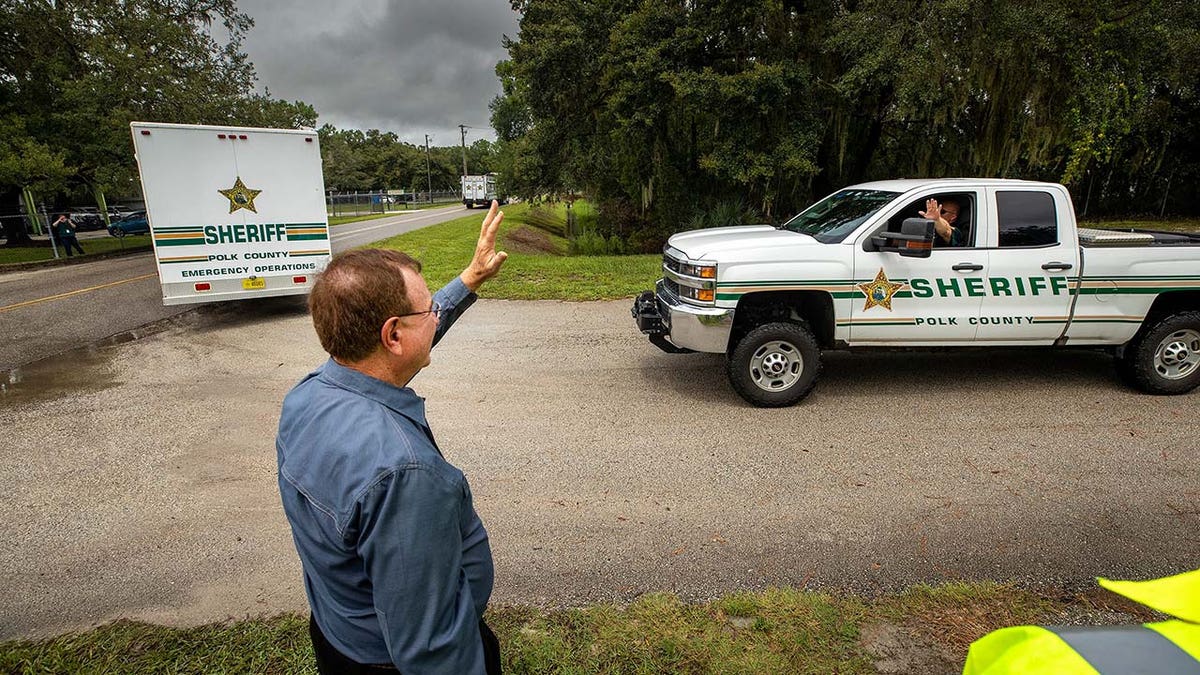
68 242
332 662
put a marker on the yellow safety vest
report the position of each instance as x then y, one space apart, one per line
1166 647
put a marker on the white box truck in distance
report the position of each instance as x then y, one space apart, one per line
234 212
479 191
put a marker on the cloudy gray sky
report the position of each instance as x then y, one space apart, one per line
408 66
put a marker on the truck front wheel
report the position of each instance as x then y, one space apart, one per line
775 365
1165 359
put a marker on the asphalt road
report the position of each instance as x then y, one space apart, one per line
138 479
50 310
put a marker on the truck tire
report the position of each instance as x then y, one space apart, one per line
775 365
1165 358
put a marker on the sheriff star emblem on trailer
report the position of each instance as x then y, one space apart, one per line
879 292
240 196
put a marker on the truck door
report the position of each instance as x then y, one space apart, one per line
1032 262
916 301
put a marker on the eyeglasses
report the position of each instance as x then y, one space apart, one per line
434 308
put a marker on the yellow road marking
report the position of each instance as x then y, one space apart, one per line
70 293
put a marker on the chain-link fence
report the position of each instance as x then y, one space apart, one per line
15 225
345 204
18 226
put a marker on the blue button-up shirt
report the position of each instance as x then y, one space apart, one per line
397 565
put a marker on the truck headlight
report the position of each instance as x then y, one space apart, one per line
707 295
697 270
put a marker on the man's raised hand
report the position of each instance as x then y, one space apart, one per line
487 260
933 210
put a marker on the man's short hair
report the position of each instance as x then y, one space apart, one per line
356 293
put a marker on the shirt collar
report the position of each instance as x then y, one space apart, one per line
401 399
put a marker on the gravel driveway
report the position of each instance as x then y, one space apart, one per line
138 479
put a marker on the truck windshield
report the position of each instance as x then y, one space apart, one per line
831 219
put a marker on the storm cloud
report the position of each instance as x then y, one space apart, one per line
409 66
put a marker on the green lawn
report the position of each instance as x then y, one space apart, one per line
342 220
1168 225
445 250
775 631
90 246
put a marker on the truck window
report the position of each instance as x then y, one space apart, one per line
1026 218
831 219
964 224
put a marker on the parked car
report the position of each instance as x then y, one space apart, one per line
134 223
86 218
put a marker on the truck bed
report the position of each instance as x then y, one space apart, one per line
1096 238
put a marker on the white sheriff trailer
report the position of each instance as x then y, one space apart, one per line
479 191
234 212
863 268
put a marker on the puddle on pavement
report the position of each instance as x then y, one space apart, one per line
90 369
86 370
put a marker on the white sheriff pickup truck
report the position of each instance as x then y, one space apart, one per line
863 268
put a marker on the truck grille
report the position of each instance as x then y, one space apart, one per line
671 263
671 288
669 285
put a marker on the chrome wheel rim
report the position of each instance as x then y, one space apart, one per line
1178 355
776 366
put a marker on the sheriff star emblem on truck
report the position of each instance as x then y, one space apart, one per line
240 196
880 292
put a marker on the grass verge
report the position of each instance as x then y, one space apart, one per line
774 631
537 268
90 247
1170 225
342 220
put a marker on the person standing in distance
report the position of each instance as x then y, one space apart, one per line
64 230
397 565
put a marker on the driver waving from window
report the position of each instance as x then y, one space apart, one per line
945 217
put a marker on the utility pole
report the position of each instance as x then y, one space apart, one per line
428 177
463 128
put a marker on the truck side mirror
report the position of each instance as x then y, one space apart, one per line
914 240
916 248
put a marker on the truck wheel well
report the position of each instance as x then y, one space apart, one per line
1172 302
756 309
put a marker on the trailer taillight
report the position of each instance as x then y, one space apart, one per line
203 286
299 280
